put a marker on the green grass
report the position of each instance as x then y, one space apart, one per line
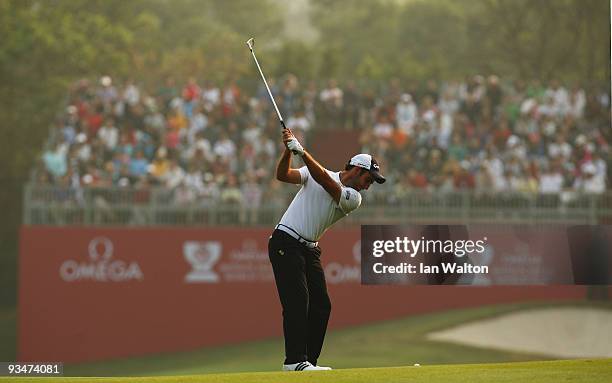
592 371
393 343
385 344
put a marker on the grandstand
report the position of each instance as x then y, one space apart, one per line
201 153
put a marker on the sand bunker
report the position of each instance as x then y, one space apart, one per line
559 332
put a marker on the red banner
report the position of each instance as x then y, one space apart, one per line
98 293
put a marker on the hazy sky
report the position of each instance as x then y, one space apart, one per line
297 23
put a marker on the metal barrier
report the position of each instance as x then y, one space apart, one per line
49 205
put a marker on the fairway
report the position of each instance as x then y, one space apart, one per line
387 344
592 371
401 342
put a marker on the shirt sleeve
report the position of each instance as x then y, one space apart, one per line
304 174
350 199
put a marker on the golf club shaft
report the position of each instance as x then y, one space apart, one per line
268 88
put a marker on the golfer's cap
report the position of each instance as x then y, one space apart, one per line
368 162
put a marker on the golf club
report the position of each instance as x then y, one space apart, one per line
250 43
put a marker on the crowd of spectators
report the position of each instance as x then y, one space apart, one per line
209 143
484 135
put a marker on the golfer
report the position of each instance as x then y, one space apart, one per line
323 199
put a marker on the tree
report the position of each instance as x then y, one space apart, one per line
567 39
434 35
354 29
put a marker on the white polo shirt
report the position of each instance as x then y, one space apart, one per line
313 209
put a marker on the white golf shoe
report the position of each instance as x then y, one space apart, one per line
304 366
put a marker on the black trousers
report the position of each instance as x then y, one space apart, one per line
302 290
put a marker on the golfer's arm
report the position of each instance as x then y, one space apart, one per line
320 175
284 173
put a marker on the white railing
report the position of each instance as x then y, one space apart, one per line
48 205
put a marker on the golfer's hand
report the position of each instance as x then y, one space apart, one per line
292 143
295 146
287 135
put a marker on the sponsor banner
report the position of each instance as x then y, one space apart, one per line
99 293
487 255
99 265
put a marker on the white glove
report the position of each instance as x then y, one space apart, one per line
295 146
